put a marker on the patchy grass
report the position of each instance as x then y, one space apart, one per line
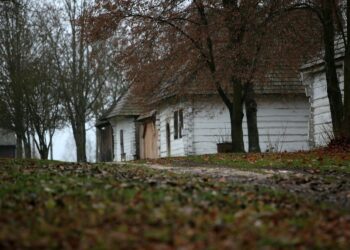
318 161
55 205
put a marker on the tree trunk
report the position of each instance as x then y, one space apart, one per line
236 117
19 147
27 148
333 89
51 149
80 141
346 122
252 121
236 106
44 153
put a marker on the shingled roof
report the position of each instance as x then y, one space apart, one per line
127 105
7 138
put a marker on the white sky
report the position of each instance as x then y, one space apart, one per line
64 145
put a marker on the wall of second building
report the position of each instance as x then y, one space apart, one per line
127 125
320 121
282 123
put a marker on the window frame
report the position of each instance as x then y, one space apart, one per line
121 134
178 124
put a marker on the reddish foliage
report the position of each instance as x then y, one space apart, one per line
202 42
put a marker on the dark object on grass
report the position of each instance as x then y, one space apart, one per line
224 147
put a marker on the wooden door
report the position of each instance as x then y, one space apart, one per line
149 142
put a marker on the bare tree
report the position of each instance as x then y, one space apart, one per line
16 45
84 76
226 44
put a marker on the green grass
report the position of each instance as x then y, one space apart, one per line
319 161
56 205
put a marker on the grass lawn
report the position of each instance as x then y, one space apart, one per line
53 205
323 161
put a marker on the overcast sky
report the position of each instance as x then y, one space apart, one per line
64 145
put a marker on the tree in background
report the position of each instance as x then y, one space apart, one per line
49 73
16 44
85 78
29 89
224 46
43 89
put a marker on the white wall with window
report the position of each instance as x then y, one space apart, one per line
124 129
171 125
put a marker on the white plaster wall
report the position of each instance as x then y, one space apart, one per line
128 126
165 114
282 123
321 116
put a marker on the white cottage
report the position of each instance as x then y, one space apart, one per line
197 123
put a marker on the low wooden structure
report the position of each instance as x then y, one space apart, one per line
104 141
7 144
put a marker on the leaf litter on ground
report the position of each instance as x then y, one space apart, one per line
55 205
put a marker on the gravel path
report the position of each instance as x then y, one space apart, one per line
214 172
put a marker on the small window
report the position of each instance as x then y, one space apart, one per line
181 121
112 143
178 124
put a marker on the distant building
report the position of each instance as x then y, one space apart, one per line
7 144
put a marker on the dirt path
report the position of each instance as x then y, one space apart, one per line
214 172
330 188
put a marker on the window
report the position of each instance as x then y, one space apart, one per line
181 121
112 143
122 141
178 124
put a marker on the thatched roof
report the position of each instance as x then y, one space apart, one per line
318 60
127 105
182 84
283 82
